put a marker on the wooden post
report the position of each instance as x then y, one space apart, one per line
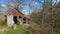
26 21
21 21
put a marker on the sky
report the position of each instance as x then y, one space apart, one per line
25 9
3 1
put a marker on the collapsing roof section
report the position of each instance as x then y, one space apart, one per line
14 10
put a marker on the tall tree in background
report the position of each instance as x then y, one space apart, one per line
15 3
56 15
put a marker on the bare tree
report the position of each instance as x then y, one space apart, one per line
15 3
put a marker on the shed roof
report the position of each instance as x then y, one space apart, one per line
14 10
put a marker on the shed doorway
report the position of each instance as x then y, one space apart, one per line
15 19
24 21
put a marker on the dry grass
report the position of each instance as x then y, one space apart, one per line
40 29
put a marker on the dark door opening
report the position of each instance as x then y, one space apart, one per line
24 20
15 19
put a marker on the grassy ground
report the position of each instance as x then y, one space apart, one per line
19 30
7 30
